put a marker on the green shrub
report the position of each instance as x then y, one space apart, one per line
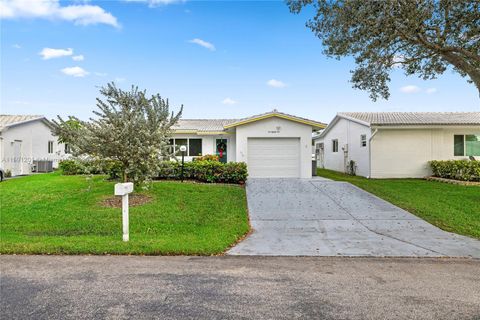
71 167
205 171
456 169
90 166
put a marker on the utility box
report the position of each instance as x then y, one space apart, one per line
122 189
42 166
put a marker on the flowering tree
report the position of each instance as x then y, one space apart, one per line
129 127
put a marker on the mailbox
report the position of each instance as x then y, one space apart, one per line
122 189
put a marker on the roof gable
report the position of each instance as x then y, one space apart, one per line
277 114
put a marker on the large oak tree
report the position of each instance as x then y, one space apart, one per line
422 37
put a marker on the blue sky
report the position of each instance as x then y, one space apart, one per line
220 59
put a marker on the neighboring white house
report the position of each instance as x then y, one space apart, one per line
397 144
27 144
273 144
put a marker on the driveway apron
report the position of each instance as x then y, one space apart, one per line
319 217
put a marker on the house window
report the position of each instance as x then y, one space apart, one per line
363 140
194 146
67 148
50 146
179 143
171 143
335 145
466 145
472 145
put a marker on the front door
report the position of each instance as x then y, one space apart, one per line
221 150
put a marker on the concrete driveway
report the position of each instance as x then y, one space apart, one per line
319 217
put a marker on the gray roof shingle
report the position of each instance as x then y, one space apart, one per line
415 118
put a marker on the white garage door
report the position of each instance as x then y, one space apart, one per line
274 157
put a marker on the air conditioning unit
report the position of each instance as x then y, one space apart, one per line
43 166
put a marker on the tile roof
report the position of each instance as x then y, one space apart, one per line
203 124
221 124
415 118
7 120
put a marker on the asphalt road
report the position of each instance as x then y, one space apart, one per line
121 287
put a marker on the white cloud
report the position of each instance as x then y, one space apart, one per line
79 14
410 89
156 3
203 43
276 83
16 46
75 72
49 53
79 57
431 90
229 101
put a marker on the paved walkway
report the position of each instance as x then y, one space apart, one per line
318 217
136 287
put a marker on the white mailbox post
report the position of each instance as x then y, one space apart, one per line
123 189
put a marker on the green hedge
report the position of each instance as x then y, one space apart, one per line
78 166
205 171
465 170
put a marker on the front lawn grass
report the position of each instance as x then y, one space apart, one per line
453 208
56 214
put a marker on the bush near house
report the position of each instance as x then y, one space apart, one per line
210 157
456 169
205 171
72 167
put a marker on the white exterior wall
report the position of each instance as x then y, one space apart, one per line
34 137
208 144
268 128
347 133
405 152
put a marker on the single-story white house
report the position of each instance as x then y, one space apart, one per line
396 144
28 145
273 144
